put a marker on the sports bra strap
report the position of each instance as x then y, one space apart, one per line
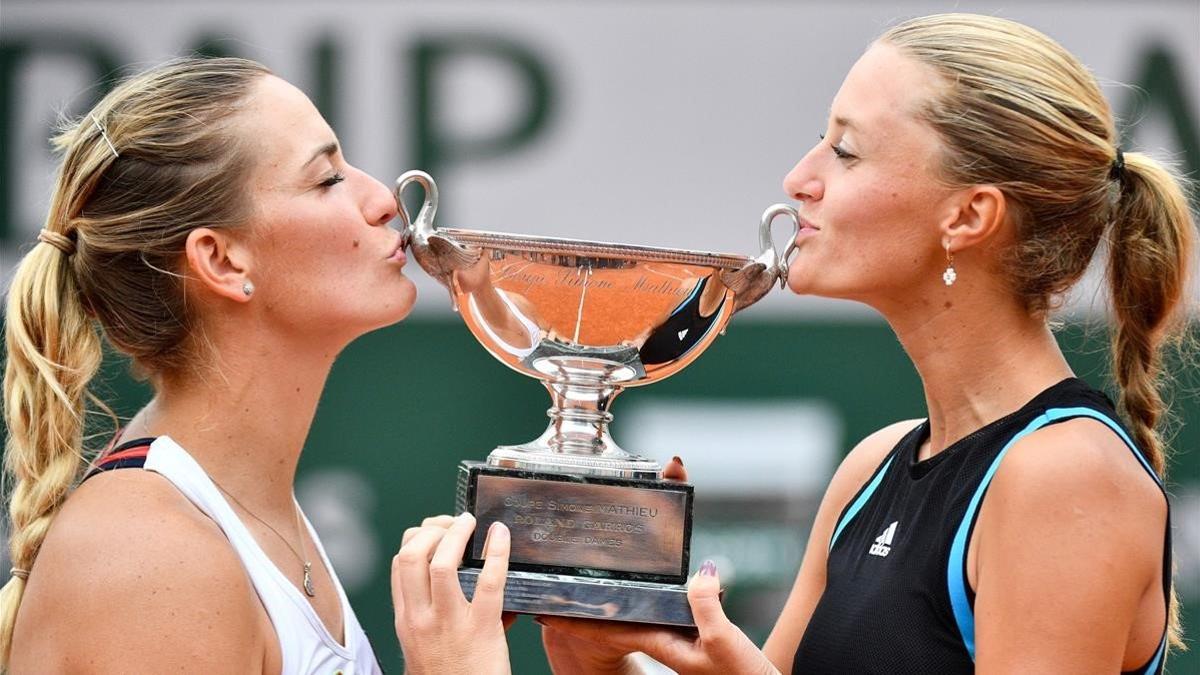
131 454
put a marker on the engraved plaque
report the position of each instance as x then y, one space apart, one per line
570 524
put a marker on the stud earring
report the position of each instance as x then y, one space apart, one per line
247 288
949 275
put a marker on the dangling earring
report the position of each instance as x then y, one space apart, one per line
247 288
949 275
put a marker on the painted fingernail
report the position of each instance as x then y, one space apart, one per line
708 569
677 460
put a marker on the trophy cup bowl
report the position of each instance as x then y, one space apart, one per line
596 531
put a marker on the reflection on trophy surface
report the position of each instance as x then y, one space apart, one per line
596 531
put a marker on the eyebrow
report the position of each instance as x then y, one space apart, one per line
328 149
845 122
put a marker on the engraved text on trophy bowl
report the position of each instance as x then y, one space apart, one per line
538 311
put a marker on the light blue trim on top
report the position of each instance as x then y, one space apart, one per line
1056 414
964 616
1158 657
858 503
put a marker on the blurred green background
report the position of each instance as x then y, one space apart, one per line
405 404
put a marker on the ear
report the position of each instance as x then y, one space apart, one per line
218 263
978 216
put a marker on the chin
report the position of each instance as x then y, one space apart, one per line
403 303
387 309
800 285
402 315
814 287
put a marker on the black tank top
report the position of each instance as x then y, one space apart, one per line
896 598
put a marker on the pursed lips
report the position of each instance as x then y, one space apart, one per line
806 225
398 250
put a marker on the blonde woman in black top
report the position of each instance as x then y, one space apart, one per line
968 172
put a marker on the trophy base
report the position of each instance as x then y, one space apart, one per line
610 599
583 545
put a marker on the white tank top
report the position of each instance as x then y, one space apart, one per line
305 645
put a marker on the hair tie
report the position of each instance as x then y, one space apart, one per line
59 241
19 573
1117 172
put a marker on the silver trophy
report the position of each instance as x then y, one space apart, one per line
596 531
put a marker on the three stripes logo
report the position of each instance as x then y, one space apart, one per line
883 543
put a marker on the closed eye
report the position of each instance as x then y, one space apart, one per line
838 150
842 154
333 180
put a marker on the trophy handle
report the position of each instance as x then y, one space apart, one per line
774 262
754 279
422 226
438 254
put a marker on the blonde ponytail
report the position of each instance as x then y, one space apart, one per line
1150 244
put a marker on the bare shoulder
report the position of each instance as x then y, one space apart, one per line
133 578
862 461
1080 459
1076 476
1070 533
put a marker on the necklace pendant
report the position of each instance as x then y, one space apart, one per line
308 584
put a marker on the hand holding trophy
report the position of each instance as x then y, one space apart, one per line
596 530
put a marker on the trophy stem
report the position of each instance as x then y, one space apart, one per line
577 439
579 419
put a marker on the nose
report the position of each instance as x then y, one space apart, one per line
379 206
802 183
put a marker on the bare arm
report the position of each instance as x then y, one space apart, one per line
855 470
1067 557
133 579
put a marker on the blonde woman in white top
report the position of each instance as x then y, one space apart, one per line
207 224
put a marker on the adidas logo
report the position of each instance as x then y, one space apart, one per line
883 543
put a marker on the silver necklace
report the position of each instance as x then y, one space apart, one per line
308 583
